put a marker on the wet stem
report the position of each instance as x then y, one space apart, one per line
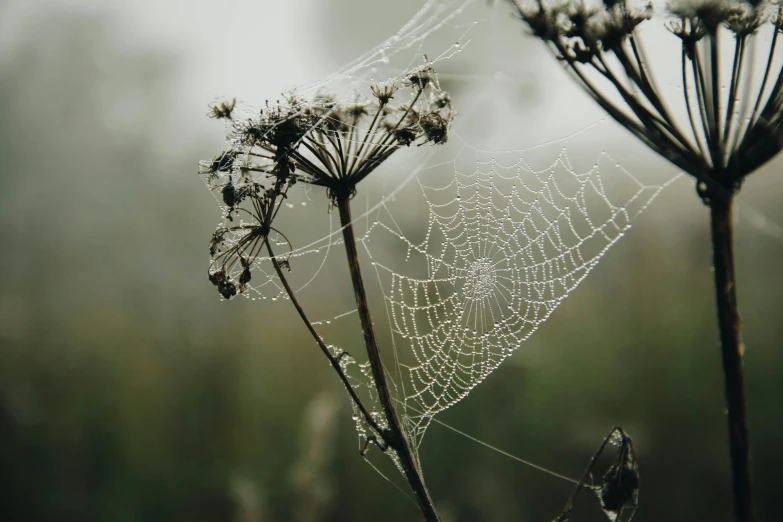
732 351
335 361
394 436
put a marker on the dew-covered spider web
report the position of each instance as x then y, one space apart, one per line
468 247
503 243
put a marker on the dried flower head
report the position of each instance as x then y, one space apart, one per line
277 129
727 136
223 282
223 162
222 110
322 142
335 145
235 246
405 135
435 127
384 92
252 179
420 77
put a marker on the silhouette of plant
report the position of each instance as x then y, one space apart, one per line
728 134
326 143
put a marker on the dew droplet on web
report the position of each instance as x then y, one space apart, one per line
513 298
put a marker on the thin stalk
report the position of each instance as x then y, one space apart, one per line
715 80
736 78
704 106
731 349
696 135
641 59
389 137
366 136
337 143
335 361
638 129
760 126
638 75
634 127
648 118
752 120
394 436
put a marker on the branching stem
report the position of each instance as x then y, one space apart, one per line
394 436
332 359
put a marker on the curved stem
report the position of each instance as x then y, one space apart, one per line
767 70
335 361
394 436
732 351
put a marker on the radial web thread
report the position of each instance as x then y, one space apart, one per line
471 249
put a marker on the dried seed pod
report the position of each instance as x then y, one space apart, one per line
244 278
227 289
620 488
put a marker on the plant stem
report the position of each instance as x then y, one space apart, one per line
394 436
335 361
731 348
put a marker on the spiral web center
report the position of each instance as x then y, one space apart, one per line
480 279
470 255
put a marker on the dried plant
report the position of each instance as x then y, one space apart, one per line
335 145
724 135
619 489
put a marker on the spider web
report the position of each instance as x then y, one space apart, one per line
506 242
471 249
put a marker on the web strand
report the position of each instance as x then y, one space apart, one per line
472 249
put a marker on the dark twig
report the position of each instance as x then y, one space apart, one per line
620 487
732 351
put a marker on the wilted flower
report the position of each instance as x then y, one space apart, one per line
222 110
600 39
335 145
354 139
323 142
732 125
234 247
384 92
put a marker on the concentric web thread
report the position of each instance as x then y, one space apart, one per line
505 244
471 249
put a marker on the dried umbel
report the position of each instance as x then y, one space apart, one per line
324 142
348 140
725 134
333 144
730 124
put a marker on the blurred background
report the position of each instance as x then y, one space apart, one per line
129 391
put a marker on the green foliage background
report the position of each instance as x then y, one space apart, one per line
129 392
